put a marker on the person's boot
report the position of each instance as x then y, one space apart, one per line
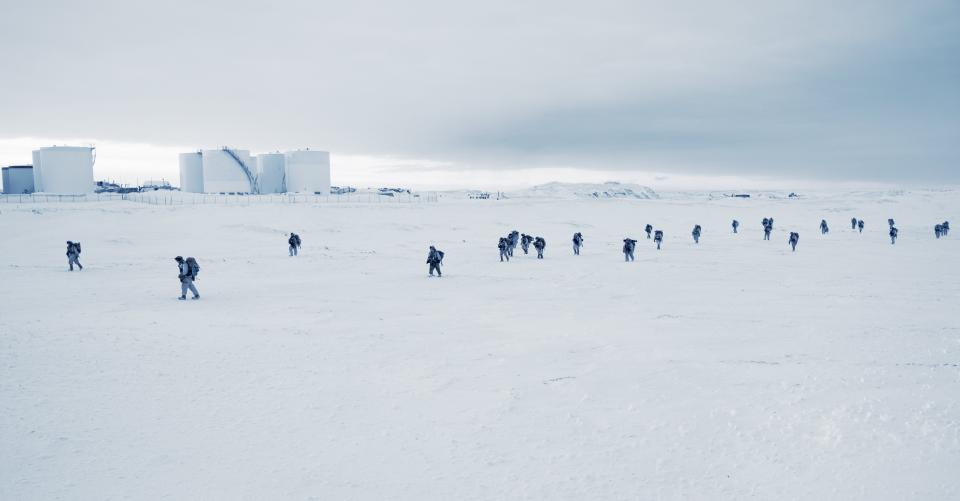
196 297
182 298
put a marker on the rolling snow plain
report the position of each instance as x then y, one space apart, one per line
732 369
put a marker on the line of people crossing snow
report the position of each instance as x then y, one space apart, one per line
188 268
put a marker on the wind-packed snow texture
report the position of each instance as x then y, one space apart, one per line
732 369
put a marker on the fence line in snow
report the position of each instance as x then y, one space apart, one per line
180 198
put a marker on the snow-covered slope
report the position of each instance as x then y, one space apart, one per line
732 369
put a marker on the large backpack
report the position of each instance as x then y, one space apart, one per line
194 267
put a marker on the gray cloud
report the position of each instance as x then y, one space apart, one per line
851 89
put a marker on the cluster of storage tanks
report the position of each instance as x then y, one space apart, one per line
236 171
64 170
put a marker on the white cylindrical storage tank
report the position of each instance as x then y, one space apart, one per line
191 172
272 171
64 170
18 179
308 171
222 173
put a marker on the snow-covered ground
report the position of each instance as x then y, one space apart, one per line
733 369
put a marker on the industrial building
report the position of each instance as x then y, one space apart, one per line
229 170
64 170
18 179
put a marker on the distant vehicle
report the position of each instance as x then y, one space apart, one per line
156 185
479 196
108 187
337 190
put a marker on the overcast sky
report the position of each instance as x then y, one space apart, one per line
855 91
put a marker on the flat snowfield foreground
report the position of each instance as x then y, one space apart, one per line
732 369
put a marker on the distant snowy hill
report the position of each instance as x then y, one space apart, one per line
586 190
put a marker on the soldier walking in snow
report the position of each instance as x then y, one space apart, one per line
435 259
648 229
188 273
73 254
577 242
525 241
945 228
736 224
504 246
860 225
937 230
629 245
767 228
539 243
658 238
794 238
294 242
890 222
696 234
853 224
824 229
512 240
893 235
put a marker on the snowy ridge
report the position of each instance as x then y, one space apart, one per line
610 189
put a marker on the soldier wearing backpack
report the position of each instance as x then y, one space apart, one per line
73 254
188 273
824 229
648 228
736 224
577 243
893 234
658 238
525 241
945 228
629 245
767 228
504 246
853 224
860 225
294 242
938 230
539 243
696 234
435 259
794 238
512 239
